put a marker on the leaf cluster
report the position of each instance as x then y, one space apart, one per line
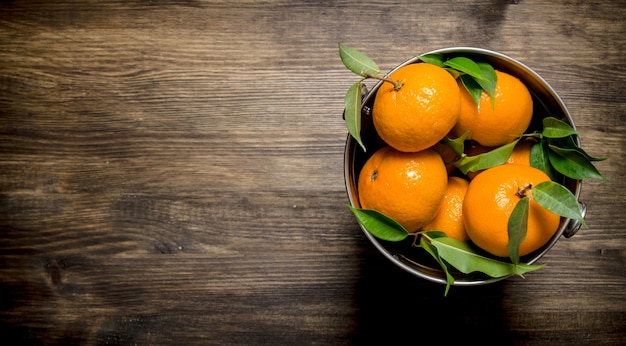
448 252
551 196
555 151
365 67
466 163
558 152
476 76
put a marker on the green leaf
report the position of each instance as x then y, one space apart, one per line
569 143
357 62
539 159
555 128
473 88
465 65
517 228
571 163
435 59
465 259
433 252
557 199
476 76
489 83
457 145
486 160
352 112
380 225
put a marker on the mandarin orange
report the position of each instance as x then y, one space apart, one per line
449 218
489 201
494 126
408 187
421 112
521 152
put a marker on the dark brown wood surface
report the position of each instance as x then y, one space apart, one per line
171 173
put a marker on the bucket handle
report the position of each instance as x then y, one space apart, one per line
574 225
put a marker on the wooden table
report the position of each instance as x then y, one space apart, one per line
171 173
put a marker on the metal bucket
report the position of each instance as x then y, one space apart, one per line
546 103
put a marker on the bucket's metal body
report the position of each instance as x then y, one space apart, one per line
546 103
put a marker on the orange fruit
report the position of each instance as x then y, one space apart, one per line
521 152
449 218
421 112
447 155
408 187
489 201
495 126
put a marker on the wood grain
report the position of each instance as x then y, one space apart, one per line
171 172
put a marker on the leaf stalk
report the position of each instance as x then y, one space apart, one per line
396 85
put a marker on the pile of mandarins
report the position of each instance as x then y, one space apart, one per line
411 179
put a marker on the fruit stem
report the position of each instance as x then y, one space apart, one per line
415 238
521 193
396 85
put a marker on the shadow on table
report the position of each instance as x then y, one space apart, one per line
395 307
